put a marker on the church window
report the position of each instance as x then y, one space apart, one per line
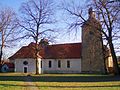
68 64
50 64
59 63
25 62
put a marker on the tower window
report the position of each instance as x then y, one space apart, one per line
91 33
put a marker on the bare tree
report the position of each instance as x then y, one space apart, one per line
37 16
8 27
108 12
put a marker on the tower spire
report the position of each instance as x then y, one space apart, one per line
91 13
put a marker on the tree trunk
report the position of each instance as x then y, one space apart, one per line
37 66
115 63
1 53
104 56
37 60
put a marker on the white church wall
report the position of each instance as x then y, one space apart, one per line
75 66
19 66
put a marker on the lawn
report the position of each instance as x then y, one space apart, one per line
17 81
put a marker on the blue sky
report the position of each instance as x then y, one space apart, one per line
62 37
15 4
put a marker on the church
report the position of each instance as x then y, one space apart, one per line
85 57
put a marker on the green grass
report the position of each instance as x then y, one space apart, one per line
12 85
79 85
17 81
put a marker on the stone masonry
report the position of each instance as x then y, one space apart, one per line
92 52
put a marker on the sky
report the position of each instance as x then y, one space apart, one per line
15 5
63 37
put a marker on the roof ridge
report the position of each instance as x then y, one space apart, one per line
65 44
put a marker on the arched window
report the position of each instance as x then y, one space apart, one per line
25 62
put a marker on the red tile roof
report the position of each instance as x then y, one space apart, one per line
24 52
72 50
64 51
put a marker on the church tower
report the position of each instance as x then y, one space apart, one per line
92 52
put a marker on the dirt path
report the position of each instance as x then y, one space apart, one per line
30 85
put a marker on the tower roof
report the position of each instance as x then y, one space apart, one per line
92 21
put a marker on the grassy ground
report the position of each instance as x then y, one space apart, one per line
16 81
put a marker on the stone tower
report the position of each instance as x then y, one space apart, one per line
92 52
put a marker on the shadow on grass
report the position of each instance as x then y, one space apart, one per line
76 78
61 78
14 85
13 78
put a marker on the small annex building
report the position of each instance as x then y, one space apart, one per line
6 67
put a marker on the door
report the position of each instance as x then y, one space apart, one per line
25 70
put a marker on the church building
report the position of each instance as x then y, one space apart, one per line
85 57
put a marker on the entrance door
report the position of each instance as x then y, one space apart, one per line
25 70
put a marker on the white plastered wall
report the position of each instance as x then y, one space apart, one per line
75 66
19 66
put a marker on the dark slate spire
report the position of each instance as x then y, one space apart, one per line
91 13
